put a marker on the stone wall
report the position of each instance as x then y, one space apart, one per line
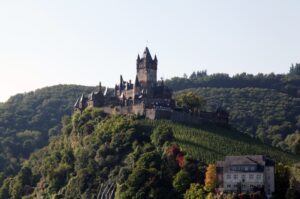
160 113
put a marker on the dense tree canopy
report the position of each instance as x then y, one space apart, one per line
28 120
191 101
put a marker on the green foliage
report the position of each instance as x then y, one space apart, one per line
191 101
138 155
293 142
195 191
28 120
288 83
181 181
210 143
161 135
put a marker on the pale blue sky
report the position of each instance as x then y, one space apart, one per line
44 43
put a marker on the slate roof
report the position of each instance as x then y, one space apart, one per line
245 160
258 160
147 55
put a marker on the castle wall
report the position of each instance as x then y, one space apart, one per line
138 109
159 113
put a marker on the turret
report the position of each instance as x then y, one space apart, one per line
155 59
121 83
100 87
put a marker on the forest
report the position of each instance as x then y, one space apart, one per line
28 120
134 158
264 112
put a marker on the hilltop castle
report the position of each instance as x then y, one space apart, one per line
145 97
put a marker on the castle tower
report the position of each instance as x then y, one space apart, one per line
146 69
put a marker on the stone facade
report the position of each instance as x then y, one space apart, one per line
246 174
146 97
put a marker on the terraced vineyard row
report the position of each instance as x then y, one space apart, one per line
210 143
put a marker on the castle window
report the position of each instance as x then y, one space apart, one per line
229 186
228 176
251 176
246 168
235 176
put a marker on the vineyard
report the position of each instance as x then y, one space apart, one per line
210 143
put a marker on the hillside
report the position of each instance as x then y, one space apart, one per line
210 143
28 120
263 113
134 156
262 106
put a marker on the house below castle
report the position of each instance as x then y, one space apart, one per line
146 96
249 173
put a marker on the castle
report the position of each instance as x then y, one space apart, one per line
146 97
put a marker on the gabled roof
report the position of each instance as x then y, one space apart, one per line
245 160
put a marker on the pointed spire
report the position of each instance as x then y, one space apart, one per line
100 87
147 54
155 58
121 86
138 57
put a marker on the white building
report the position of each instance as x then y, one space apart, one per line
247 173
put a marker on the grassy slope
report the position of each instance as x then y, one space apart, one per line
211 143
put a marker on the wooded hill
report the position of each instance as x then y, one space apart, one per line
131 157
28 120
263 106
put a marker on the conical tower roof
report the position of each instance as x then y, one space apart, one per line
147 55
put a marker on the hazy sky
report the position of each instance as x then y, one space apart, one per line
44 43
